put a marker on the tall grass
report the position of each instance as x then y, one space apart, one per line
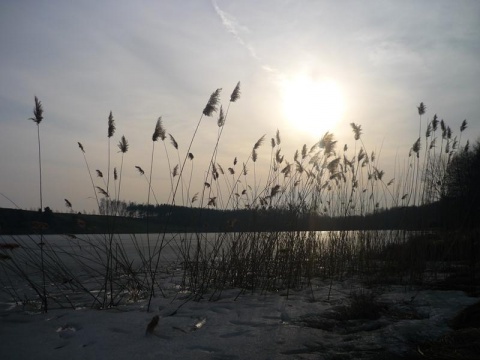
322 179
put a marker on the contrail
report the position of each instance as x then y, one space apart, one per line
234 28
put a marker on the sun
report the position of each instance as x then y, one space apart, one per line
313 106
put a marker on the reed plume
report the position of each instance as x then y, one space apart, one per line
100 175
212 201
278 157
254 155
159 131
357 130
102 191
68 204
194 198
111 125
221 117
416 147
37 112
212 103
235 93
421 111
123 147
173 141
259 143
140 170
435 123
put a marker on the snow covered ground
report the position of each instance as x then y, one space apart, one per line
308 324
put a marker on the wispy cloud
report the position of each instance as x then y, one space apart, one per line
234 28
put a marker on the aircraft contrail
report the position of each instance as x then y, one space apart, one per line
234 28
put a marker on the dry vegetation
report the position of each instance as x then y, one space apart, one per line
108 269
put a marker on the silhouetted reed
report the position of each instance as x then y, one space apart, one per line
37 119
322 181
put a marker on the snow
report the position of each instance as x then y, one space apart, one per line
255 325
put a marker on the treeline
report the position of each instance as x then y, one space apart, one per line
410 218
160 218
21 222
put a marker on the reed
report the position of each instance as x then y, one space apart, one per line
37 119
320 181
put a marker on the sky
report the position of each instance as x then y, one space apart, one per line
330 62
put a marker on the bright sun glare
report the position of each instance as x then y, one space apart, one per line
312 106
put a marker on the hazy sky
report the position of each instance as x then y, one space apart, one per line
374 60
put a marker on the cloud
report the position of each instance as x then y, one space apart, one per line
234 28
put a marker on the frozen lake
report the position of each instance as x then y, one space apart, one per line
79 264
